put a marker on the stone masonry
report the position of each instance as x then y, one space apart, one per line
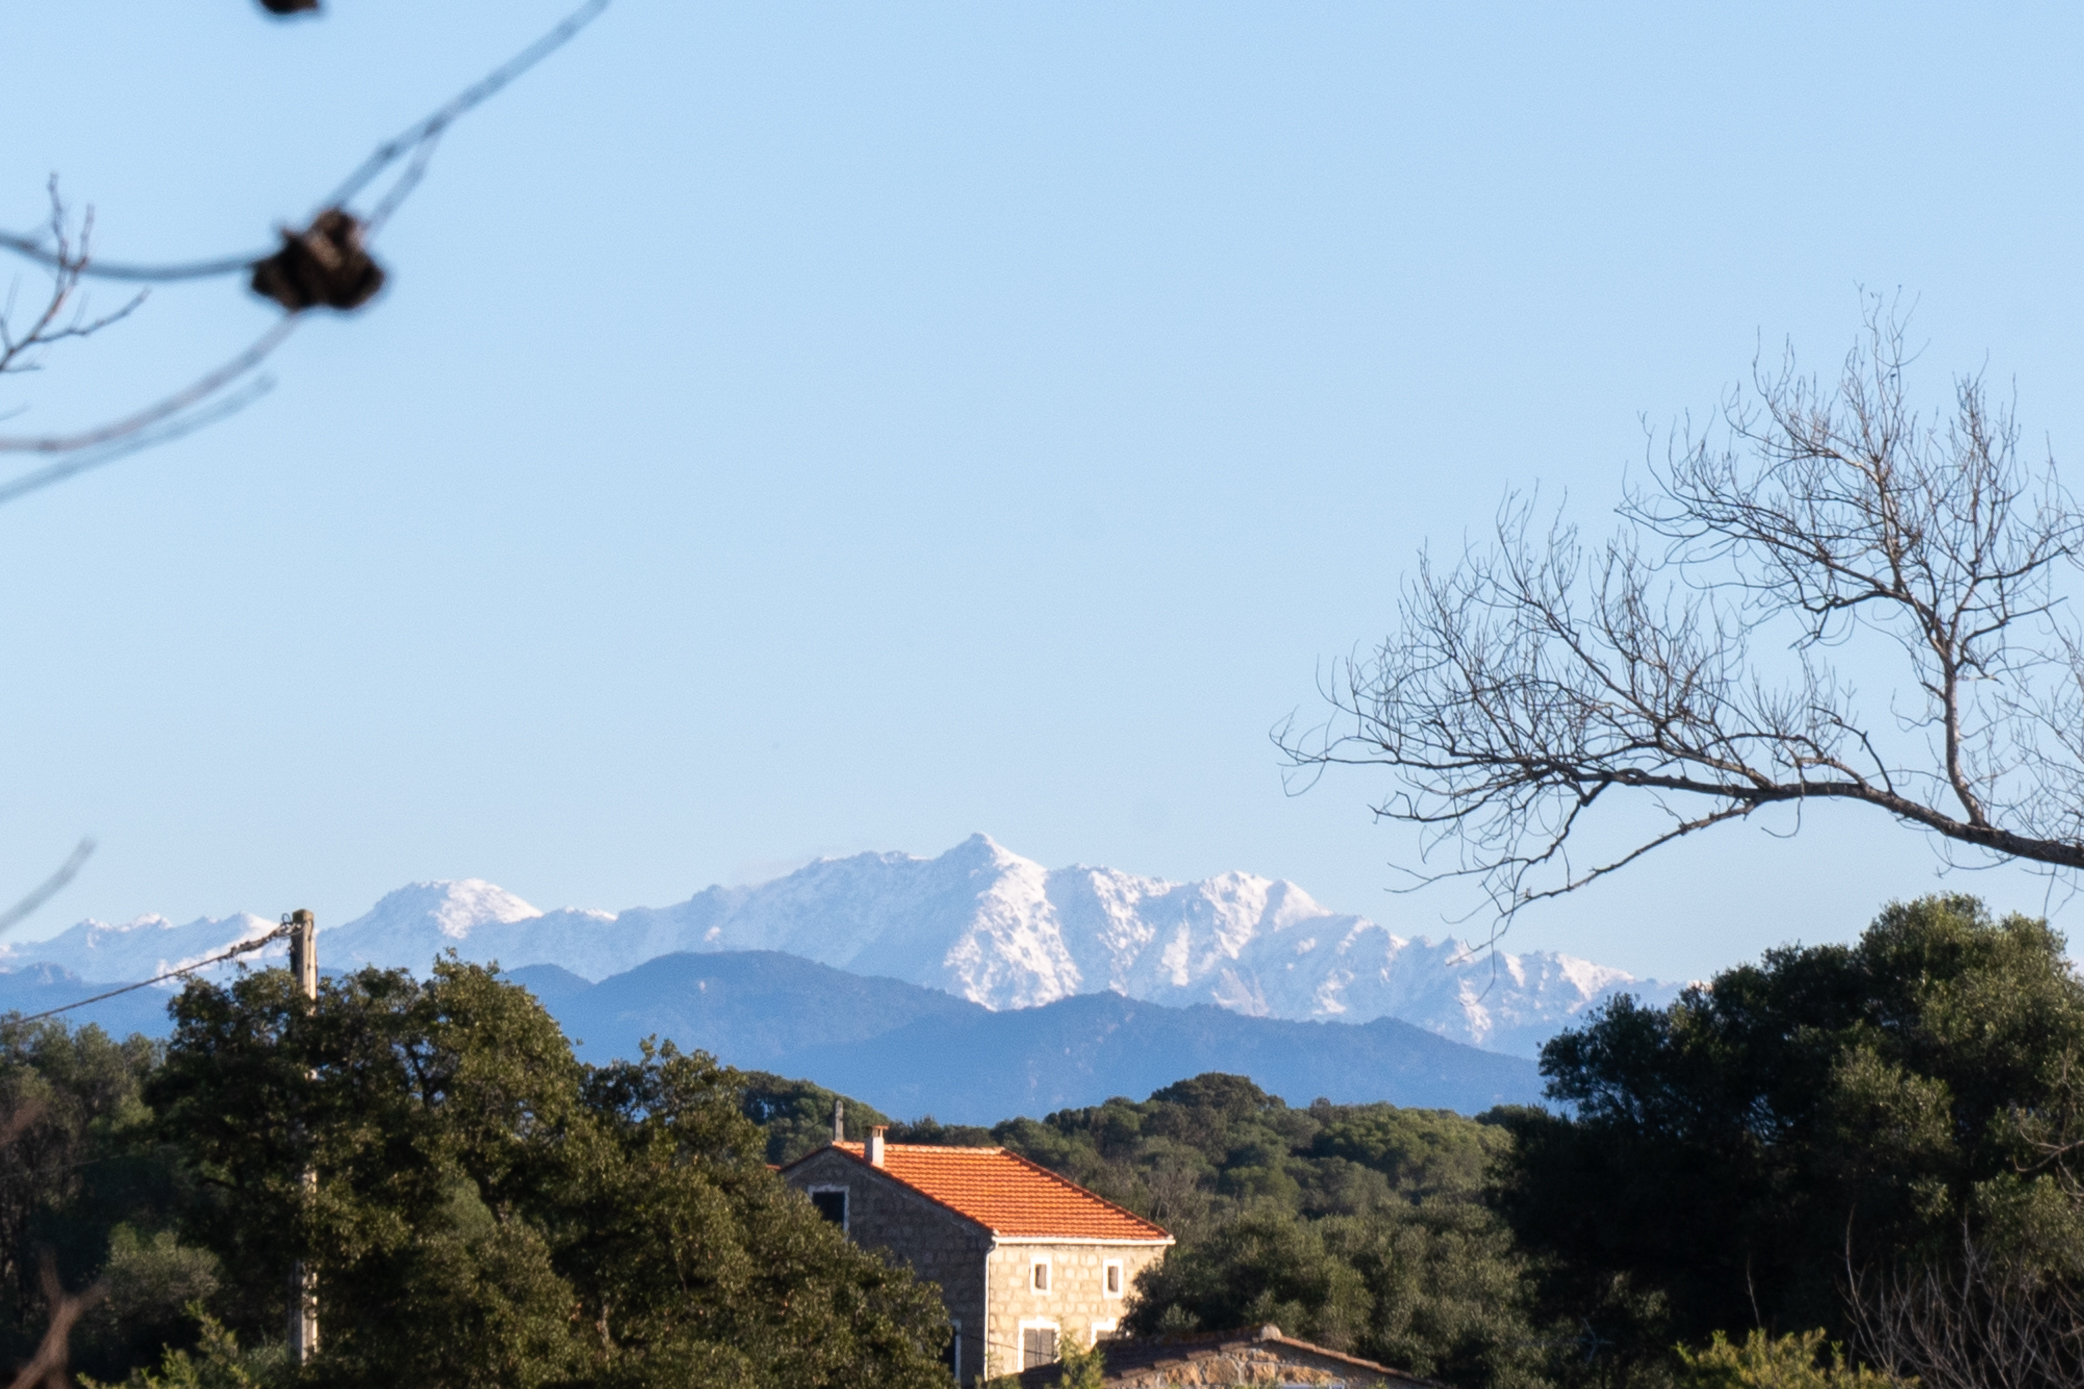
1077 1303
936 1243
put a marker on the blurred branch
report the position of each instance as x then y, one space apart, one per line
47 1368
324 264
49 888
162 412
416 142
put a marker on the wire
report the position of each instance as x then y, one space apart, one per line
418 138
247 948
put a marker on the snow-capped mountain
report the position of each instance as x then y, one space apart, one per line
145 948
980 922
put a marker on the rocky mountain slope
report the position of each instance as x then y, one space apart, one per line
978 922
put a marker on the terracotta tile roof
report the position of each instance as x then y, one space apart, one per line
1008 1195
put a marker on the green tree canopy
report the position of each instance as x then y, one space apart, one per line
1360 1227
82 1186
1723 1158
488 1211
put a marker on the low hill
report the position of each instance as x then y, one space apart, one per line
34 988
911 1050
752 1008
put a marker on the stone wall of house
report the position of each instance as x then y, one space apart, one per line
1259 1366
1075 1303
936 1243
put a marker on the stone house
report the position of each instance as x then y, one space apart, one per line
1261 1357
1023 1256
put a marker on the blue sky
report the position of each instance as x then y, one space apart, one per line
796 430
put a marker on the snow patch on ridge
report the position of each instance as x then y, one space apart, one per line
980 922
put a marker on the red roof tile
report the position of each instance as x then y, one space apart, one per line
1008 1195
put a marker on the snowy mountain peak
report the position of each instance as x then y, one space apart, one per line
455 907
978 921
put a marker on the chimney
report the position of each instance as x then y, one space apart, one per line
875 1146
839 1121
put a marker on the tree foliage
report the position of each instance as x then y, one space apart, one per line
796 1115
1735 1157
488 1211
1876 1145
1360 1227
1799 1360
87 1194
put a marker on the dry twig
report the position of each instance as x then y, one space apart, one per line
1983 1323
326 263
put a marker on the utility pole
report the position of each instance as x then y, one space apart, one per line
303 1278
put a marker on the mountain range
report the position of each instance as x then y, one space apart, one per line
912 1051
979 923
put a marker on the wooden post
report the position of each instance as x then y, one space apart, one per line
303 1279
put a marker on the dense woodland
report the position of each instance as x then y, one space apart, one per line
1779 1179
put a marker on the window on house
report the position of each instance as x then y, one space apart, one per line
1039 1275
1111 1278
1102 1330
954 1357
831 1202
1037 1346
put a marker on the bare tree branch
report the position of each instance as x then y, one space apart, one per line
63 315
324 264
1689 657
1981 1322
47 1368
415 144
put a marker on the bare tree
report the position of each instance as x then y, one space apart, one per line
1688 660
1980 1322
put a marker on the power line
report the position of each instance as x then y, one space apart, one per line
243 949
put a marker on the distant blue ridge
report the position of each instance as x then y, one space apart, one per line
35 988
912 1051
